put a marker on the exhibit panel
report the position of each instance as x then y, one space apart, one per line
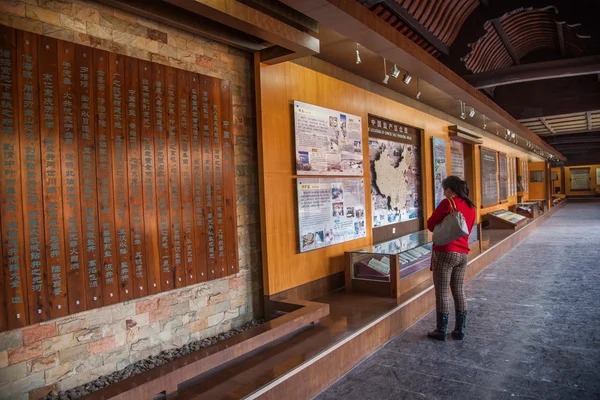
489 177
103 147
579 180
457 149
396 173
440 169
502 177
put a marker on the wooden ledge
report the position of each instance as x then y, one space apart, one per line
166 378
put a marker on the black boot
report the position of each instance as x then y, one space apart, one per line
461 323
442 327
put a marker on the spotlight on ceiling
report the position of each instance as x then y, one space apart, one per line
358 60
387 77
395 71
472 112
406 78
462 110
418 95
484 124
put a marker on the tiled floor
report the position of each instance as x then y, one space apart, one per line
533 329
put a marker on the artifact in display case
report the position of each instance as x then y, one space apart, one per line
502 219
529 209
542 204
382 269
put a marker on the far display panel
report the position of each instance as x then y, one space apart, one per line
440 171
328 142
503 173
330 211
489 177
394 156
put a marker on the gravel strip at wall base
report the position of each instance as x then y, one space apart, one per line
144 365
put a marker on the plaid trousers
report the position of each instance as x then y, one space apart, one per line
449 269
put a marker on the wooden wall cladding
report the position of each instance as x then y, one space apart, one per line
117 178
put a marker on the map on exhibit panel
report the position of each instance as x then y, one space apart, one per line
395 181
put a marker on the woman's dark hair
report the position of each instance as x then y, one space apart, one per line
459 187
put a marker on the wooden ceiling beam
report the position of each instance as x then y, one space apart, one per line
561 38
414 24
242 17
536 71
547 125
505 40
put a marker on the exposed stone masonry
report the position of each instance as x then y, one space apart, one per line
67 352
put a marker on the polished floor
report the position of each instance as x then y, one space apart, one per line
533 329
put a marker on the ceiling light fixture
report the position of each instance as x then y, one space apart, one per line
406 78
387 77
462 110
472 112
418 91
484 124
395 71
358 60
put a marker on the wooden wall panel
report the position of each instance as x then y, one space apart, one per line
136 200
90 258
162 178
56 258
230 211
11 207
219 204
105 187
68 128
277 87
187 213
107 164
173 174
209 179
198 177
120 177
33 203
151 228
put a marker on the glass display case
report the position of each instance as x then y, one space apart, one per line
385 267
529 209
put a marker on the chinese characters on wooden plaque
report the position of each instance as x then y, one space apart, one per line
117 178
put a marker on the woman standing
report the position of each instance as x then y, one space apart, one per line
449 262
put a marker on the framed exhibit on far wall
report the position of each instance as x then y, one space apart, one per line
503 177
580 179
440 171
489 177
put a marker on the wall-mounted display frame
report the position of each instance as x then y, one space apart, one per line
440 169
457 151
395 156
330 211
536 176
598 176
502 177
328 142
580 179
489 177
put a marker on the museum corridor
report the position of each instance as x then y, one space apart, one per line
532 328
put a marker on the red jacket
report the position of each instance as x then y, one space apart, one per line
459 245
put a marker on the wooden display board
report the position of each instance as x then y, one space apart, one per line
502 177
506 220
489 177
118 178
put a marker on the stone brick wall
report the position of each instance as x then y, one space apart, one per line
67 352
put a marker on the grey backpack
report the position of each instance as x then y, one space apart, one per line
452 227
